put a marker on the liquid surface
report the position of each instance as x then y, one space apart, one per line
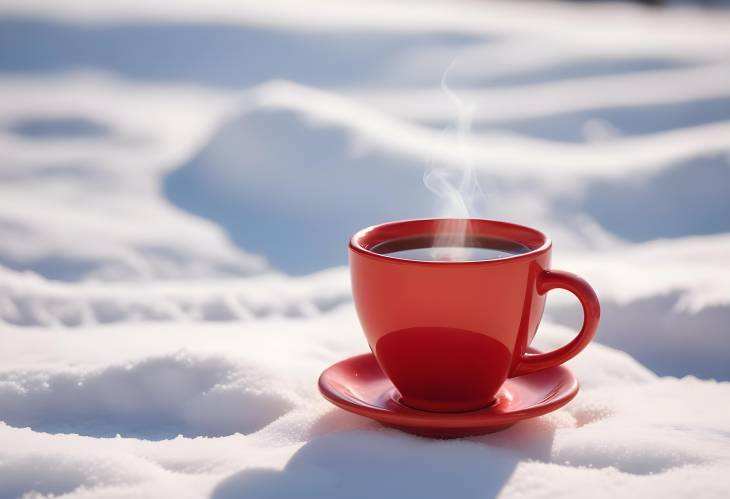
474 249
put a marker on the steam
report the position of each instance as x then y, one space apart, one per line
457 187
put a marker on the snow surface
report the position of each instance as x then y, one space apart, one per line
178 181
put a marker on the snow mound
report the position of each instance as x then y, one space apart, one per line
160 397
30 300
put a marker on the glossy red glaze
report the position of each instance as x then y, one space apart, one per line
359 385
449 333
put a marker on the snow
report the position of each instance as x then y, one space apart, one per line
178 182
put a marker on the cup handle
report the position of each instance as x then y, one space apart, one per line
551 279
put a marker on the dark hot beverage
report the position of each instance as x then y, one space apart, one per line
428 249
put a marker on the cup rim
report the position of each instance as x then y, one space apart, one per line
356 241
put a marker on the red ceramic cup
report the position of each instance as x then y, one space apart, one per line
449 333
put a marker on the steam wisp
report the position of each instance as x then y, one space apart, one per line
456 187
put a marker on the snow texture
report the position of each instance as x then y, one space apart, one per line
178 181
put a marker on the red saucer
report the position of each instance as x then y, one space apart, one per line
359 385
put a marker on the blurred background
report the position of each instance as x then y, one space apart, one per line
156 148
